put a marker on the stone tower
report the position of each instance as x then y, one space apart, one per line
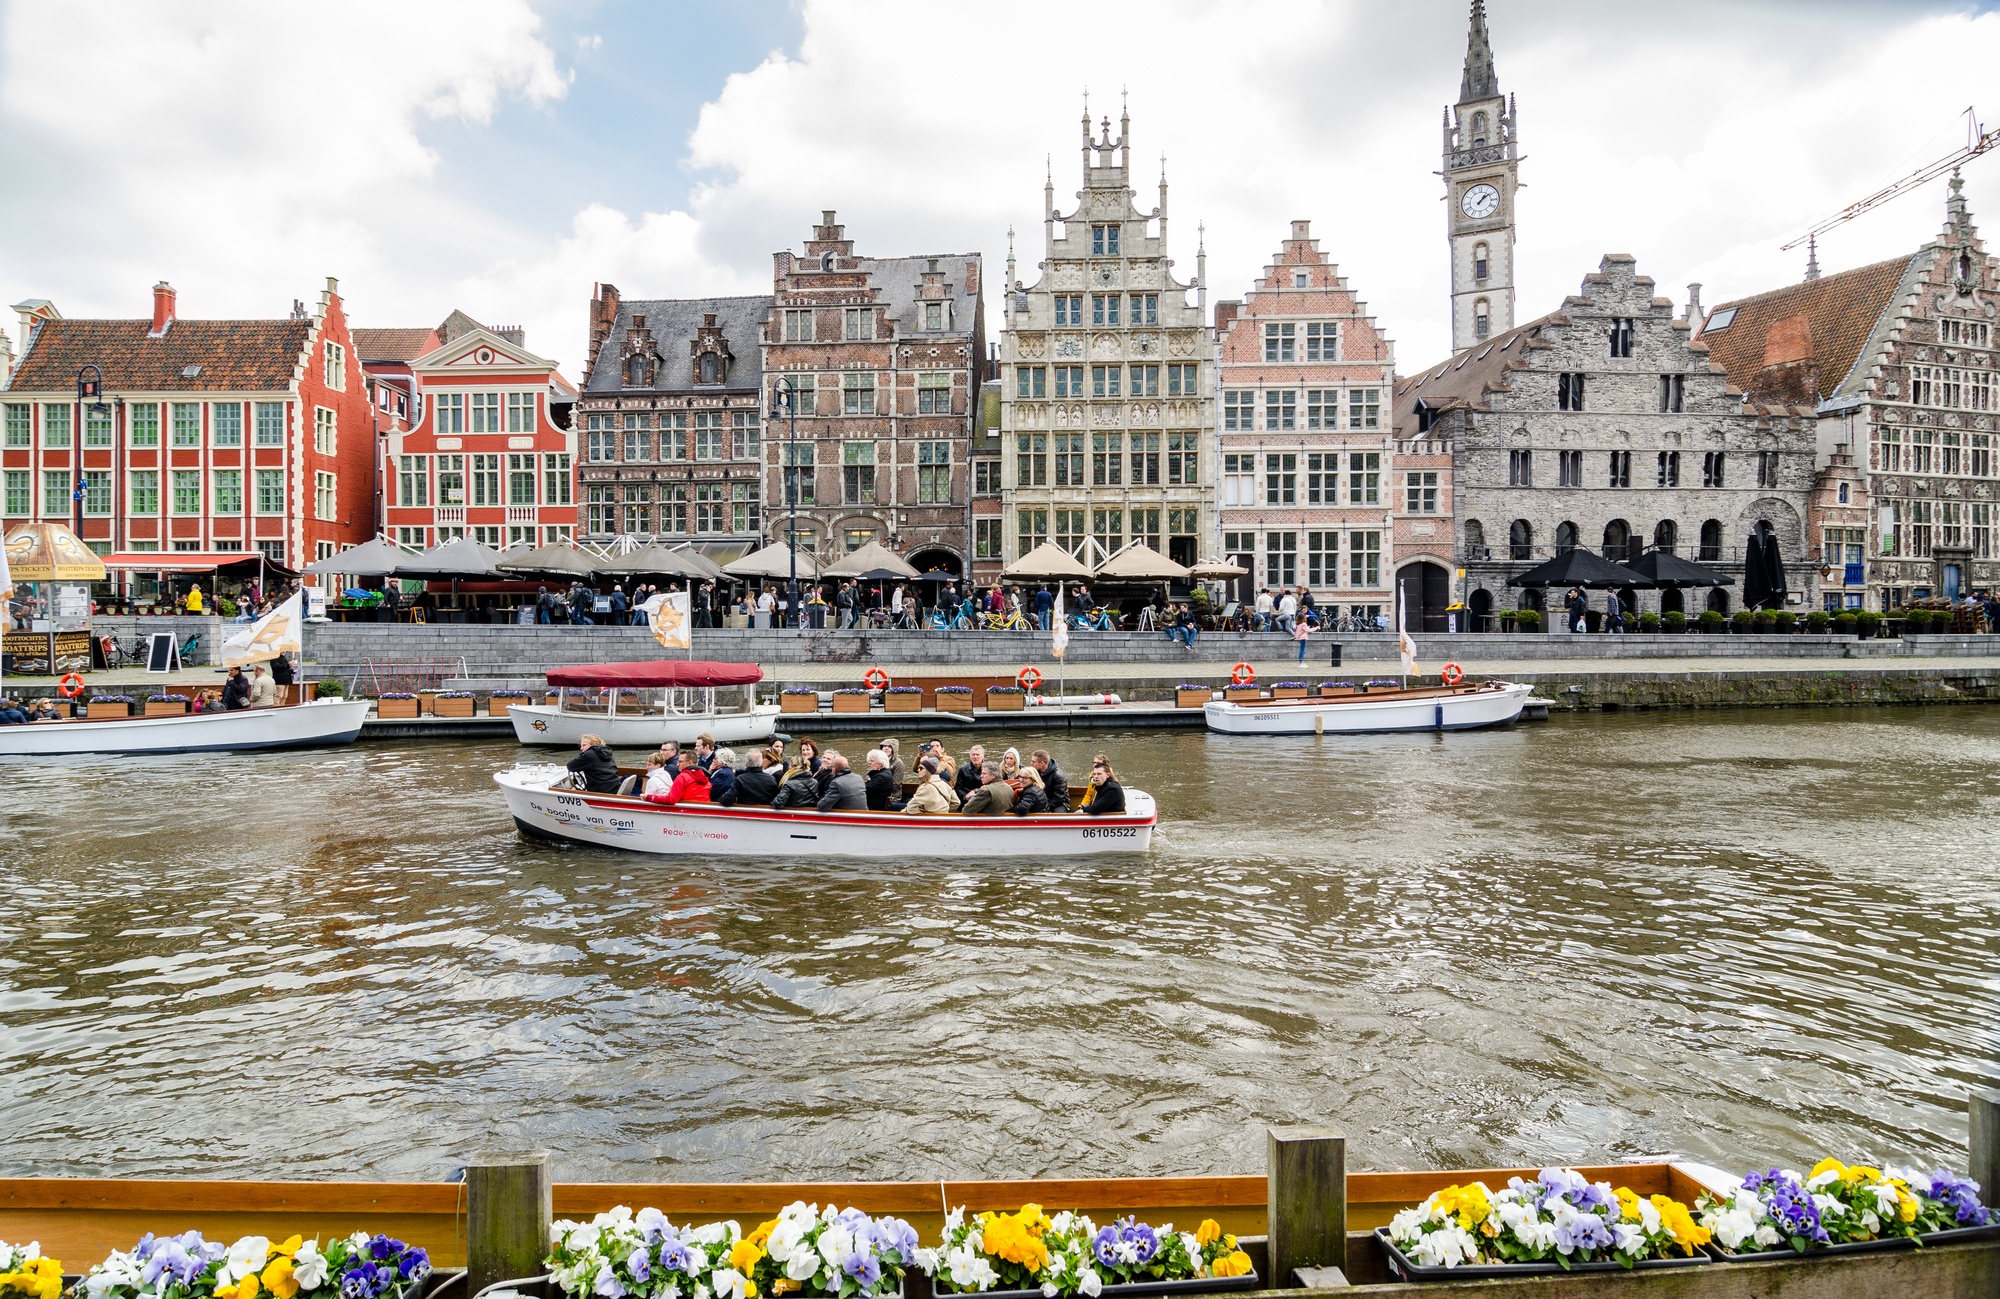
1481 171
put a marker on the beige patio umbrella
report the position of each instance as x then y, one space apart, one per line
774 560
1217 568
871 558
1046 562
1139 562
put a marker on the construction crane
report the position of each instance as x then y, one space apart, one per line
1978 141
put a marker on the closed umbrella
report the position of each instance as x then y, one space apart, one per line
1756 574
1774 574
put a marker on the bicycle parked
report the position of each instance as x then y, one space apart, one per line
1098 619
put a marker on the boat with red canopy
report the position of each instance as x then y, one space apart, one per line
648 703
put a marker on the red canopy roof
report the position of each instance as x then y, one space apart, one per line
659 672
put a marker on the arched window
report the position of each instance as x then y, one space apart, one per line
711 368
1711 541
635 372
1478 129
1475 539
1617 540
1481 318
1565 537
1521 539
1480 260
1665 535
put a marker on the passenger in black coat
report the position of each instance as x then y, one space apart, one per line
882 789
1105 797
281 670
968 773
800 789
1055 785
236 690
753 787
596 765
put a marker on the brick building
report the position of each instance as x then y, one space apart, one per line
486 448
885 355
1108 377
1898 360
214 438
1305 445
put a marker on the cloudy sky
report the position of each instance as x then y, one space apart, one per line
502 155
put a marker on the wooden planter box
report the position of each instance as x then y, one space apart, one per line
798 703
996 702
907 703
1288 692
454 707
95 709
853 704
1192 698
156 708
1234 693
427 701
397 708
955 703
504 706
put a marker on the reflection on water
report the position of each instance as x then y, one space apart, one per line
1735 937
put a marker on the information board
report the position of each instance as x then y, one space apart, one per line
163 653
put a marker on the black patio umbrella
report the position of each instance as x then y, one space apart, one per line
1665 568
1582 568
1774 574
941 578
1756 572
880 575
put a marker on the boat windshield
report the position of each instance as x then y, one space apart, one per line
640 701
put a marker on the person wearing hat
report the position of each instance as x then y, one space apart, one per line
934 795
263 690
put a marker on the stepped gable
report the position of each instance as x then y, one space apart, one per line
1797 346
226 355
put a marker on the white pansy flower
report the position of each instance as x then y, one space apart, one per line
309 1266
835 1244
1088 1282
244 1257
1048 1290
584 1238
728 1283
1403 1228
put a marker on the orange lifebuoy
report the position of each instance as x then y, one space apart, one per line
875 679
1029 677
1243 674
71 687
1452 674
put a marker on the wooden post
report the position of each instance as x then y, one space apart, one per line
1982 1142
1306 1201
507 1214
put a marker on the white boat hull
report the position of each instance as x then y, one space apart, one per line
323 721
542 724
709 830
1469 708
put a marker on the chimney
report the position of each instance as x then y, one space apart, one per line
6 358
163 309
1694 305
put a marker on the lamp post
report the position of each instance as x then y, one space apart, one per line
89 388
786 391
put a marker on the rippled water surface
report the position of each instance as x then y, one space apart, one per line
1735 937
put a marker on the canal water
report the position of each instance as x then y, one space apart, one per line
1739 937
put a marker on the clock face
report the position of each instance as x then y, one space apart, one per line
1479 201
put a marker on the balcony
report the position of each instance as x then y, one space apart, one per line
522 514
450 516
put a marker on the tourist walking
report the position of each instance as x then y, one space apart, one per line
1576 605
1614 613
1302 633
618 605
704 601
1045 603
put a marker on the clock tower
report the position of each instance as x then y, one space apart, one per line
1481 172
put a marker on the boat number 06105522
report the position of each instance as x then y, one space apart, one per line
1109 832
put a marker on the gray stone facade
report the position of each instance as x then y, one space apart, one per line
1602 426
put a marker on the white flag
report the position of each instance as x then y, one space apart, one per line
1059 641
667 611
1405 647
277 632
6 576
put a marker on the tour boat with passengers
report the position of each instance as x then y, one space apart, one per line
648 703
543 811
1366 710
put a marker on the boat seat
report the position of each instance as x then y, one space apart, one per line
627 786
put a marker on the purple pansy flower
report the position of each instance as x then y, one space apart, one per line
861 1265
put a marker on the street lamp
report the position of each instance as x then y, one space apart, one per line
785 402
89 388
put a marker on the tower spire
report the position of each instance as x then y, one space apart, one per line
1812 257
1480 80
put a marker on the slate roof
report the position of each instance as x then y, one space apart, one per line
1800 344
899 279
673 323
396 344
1462 380
234 355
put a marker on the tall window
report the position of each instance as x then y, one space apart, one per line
1107 459
1145 381
97 427
1673 393
556 489
1665 536
1322 559
270 491
1104 380
638 442
934 393
711 507
485 412
1481 260
1031 381
1322 408
20 492
326 497
1520 540
448 413
1889 446
228 491
1145 309
1239 410
270 423
857 394
1364 478
225 424
1565 537
143 420
1183 459
744 514
933 473
55 494
520 412
744 435
20 425
1183 379
1146 526
1420 492
854 323
185 422
1364 558
486 480
986 477
1482 318
336 367
142 487
1670 469
1621 336
1281 479
638 517
798 326
711 440
1104 309
1322 342
1981 460
1323 478
1069 530
187 491
1104 241
1569 391
1145 460
857 472
934 315
413 483
1620 474
1033 528
1281 409
1569 468
1767 467
1281 558
1031 459
673 434
1711 541
598 509
1281 342
1107 529
1069 381
1521 468
1364 408
325 431
1069 459
520 478
1239 478
1069 310
1714 469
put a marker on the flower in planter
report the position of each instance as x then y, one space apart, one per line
1559 1217
1336 685
1005 690
852 690
1838 1203
453 694
1068 1254
188 1267
509 694
1191 685
111 699
395 694
637 1255
800 690
904 690
24 1271
165 699
956 690
1383 681
1288 685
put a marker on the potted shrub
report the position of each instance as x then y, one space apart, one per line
1916 622
397 703
1711 622
1288 690
1529 620
798 699
166 705
327 688
1867 624
552 697
903 699
108 706
1189 695
1507 617
1817 622
1593 620
501 702
454 703
1843 623
1783 620
1741 622
1763 622
1005 699
954 699
853 699
1649 623
1673 622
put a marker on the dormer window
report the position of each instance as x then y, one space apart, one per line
934 315
710 370
635 371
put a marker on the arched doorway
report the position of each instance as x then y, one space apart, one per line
1425 590
940 561
1617 541
1718 600
1480 603
1672 601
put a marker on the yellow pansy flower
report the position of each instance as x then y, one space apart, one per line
1906 1206
1861 1173
39 1278
749 1289
784 1285
245 1289
1208 1232
1466 1203
1629 1202
744 1255
1680 1224
1232 1264
763 1232
1825 1166
278 1278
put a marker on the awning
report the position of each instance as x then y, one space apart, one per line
1139 562
871 558
50 552
1046 561
189 561
658 672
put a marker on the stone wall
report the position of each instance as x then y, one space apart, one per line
128 627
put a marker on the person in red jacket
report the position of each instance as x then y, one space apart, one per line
690 786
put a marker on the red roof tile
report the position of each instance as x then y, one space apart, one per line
233 355
1796 344
397 344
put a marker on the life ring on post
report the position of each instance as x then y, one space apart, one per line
1243 674
71 687
1452 674
875 679
1029 677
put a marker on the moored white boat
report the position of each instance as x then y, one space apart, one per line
1426 708
647 703
323 721
635 825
